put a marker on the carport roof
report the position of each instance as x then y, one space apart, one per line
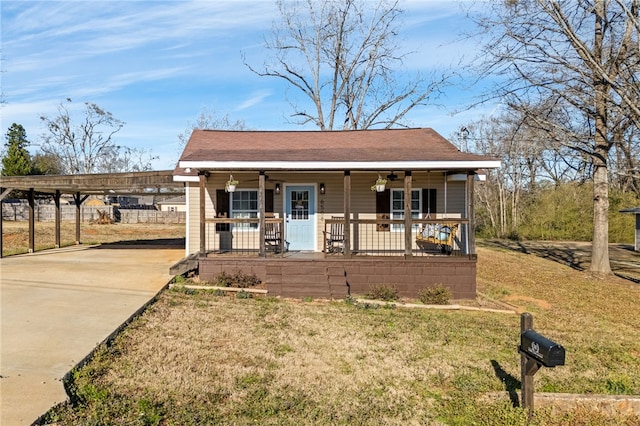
130 183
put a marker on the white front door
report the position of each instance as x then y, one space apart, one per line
300 217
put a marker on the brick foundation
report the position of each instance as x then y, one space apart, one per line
337 278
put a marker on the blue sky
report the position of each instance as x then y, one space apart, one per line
156 64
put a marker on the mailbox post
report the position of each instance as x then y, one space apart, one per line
536 351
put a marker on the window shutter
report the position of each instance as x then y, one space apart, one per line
429 202
268 200
383 209
222 209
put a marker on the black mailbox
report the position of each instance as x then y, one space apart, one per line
541 349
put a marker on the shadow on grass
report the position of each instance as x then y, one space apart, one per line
511 384
625 261
159 243
573 258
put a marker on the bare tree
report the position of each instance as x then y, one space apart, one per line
624 165
125 159
87 147
506 137
530 160
344 57
209 119
580 57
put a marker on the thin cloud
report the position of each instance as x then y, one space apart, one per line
255 99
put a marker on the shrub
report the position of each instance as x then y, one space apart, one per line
383 292
244 295
178 279
437 294
238 279
223 279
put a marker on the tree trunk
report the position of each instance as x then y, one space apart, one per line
600 247
600 242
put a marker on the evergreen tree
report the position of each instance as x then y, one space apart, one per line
17 161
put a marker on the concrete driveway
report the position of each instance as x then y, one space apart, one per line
57 305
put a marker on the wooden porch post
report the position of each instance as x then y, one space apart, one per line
261 212
56 200
32 221
79 200
471 229
203 234
78 203
408 221
347 214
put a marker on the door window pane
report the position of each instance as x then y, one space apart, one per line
299 205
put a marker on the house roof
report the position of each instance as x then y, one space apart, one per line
408 149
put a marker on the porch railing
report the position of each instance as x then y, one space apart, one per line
386 237
243 236
368 237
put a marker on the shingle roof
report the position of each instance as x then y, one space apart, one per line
365 146
358 145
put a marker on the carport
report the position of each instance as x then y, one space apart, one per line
81 187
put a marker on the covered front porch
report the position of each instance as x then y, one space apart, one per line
353 244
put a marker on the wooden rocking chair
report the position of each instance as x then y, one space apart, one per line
273 237
334 238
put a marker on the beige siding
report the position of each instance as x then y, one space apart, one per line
192 217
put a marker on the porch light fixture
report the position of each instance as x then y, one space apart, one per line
277 188
231 184
322 188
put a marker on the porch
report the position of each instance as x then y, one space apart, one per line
373 253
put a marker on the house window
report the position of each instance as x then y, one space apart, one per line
244 205
397 206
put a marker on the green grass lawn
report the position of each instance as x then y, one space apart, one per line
198 358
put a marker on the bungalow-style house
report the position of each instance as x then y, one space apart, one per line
325 214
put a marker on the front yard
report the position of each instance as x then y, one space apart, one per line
201 358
